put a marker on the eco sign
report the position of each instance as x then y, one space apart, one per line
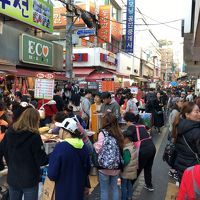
35 51
37 13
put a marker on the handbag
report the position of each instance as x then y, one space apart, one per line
195 154
169 153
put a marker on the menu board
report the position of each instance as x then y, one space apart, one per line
44 88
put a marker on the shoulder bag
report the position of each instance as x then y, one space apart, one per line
195 154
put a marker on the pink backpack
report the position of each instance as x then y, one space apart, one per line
138 143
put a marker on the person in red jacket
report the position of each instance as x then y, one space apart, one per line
190 184
50 110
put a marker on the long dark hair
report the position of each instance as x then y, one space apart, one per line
187 108
109 123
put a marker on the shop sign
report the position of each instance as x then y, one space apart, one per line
37 13
130 20
108 59
92 85
44 86
60 20
35 51
104 32
80 57
108 85
134 90
198 84
116 30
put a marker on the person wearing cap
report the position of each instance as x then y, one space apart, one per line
183 95
69 163
190 96
110 105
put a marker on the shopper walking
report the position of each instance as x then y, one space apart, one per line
69 164
147 149
130 166
109 148
177 104
24 153
186 133
158 116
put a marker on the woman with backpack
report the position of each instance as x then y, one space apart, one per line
147 149
109 148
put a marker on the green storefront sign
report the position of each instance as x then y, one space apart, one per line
35 51
37 13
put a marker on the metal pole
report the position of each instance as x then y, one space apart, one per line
69 50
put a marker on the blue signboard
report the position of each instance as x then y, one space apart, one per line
130 20
85 32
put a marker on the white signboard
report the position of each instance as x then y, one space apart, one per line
198 84
44 86
153 85
134 90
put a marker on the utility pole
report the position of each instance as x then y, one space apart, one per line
69 49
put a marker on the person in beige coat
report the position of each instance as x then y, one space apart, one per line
129 172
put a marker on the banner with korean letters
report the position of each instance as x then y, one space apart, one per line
130 21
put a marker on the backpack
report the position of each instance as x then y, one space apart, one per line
109 156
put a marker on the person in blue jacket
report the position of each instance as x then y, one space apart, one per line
69 163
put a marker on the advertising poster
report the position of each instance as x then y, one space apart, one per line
37 13
108 85
44 86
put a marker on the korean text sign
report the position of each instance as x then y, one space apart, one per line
105 30
44 86
35 51
37 13
130 20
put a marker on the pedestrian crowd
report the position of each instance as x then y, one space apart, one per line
109 132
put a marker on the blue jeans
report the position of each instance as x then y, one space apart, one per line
108 184
126 189
29 193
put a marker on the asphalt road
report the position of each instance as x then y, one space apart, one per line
159 174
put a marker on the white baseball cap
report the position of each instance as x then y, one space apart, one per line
68 124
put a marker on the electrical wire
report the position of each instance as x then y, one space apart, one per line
121 50
159 23
166 24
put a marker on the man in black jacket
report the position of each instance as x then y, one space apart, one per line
58 99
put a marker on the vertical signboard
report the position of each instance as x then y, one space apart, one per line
130 20
116 30
104 32
37 13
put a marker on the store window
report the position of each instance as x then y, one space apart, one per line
114 13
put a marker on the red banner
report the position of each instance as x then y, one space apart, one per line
104 32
